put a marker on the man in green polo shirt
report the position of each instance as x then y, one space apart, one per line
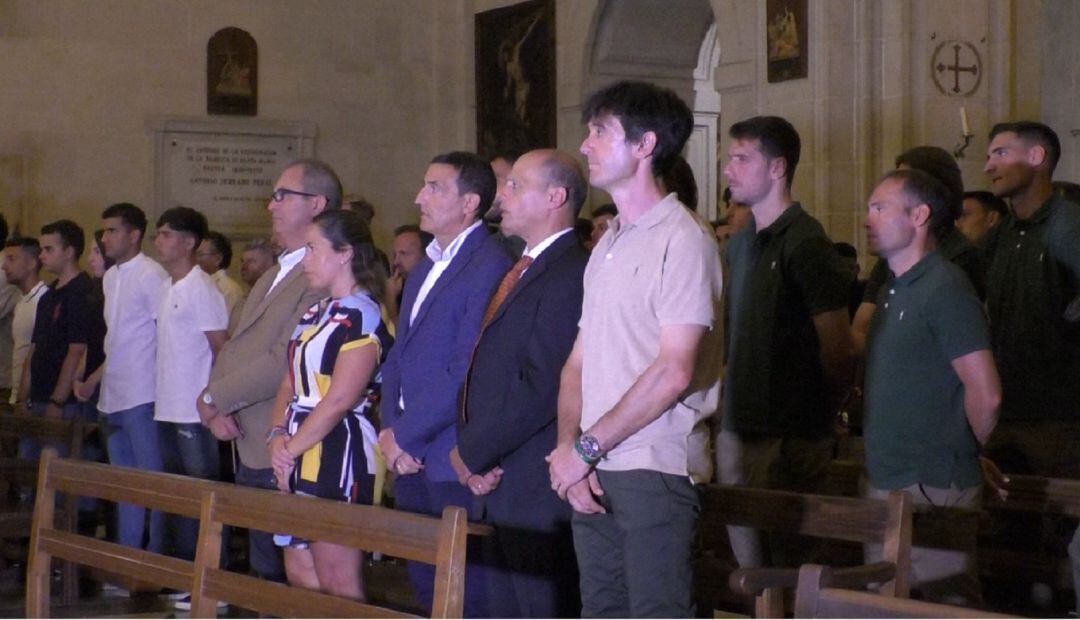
788 348
932 391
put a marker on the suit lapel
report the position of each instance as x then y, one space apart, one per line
547 257
457 265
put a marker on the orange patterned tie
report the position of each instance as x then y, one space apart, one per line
508 283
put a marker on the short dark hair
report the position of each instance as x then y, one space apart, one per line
222 246
642 107
28 245
989 202
347 229
845 249
680 179
777 136
921 187
605 209
561 170
425 237
185 220
317 177
361 205
508 155
940 164
1034 132
475 176
132 216
71 235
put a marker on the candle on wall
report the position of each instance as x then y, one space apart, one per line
964 121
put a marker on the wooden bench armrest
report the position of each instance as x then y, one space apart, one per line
480 529
754 581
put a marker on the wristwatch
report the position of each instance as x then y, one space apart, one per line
588 448
206 398
276 431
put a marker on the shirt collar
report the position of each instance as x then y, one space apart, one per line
534 253
438 255
288 260
652 217
918 269
38 289
781 223
1038 217
132 263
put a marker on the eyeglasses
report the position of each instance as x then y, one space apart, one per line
281 192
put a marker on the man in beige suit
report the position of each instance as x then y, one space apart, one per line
236 404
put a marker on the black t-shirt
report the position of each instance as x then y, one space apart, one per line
63 318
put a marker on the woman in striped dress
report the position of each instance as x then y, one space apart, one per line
322 442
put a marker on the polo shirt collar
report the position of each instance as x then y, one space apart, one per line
1041 214
786 219
918 269
654 215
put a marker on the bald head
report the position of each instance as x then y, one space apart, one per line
543 194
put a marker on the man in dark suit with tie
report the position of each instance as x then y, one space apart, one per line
508 424
442 307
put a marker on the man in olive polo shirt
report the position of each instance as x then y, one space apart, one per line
643 374
789 349
932 390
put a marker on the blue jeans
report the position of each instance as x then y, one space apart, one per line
188 449
263 555
30 449
133 442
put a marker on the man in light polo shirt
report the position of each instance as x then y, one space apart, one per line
932 390
644 372
132 292
191 328
22 267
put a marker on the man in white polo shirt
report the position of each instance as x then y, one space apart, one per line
191 328
132 292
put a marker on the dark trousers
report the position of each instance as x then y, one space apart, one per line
537 573
635 558
263 554
414 493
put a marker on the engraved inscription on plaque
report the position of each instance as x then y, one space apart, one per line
227 172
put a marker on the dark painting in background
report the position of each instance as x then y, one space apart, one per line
232 73
515 78
786 40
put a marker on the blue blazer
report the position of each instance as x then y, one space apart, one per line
430 356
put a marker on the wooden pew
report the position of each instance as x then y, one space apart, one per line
16 515
413 537
854 520
166 492
817 597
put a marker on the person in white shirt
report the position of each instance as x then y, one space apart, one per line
132 294
191 327
22 268
214 257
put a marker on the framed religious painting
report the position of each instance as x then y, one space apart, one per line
786 40
515 78
232 73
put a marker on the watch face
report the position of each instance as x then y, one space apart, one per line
206 398
590 446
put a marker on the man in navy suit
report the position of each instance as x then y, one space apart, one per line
441 311
509 421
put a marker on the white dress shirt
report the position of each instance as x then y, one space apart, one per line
132 293
442 259
534 253
287 261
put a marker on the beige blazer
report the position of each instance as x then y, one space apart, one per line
249 368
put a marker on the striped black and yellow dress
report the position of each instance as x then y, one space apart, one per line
342 465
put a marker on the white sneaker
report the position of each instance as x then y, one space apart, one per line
111 589
183 603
